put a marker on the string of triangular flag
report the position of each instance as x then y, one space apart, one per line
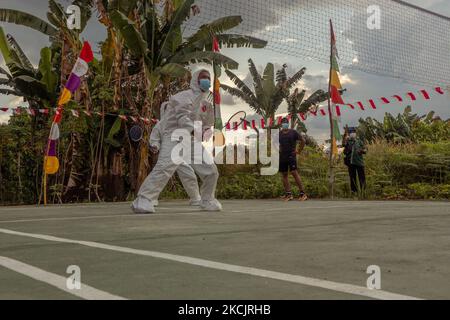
323 111
77 114
262 123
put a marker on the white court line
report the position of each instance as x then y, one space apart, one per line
86 292
313 282
59 207
186 212
189 212
118 205
193 211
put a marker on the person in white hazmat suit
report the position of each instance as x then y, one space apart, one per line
183 110
185 172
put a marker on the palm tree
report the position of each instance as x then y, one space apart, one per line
269 92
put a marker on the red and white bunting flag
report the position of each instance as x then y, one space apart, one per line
100 114
145 120
44 111
244 125
280 118
372 104
302 116
75 113
439 90
263 123
322 112
87 113
412 96
253 124
270 122
361 106
314 113
289 117
121 116
134 119
351 106
400 99
385 100
4 109
338 110
227 126
425 94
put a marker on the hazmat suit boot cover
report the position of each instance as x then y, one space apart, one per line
142 205
211 205
195 202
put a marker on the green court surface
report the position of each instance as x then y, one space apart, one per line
254 249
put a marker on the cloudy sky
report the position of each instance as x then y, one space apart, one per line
360 85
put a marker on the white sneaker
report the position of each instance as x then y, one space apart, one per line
211 205
142 205
195 203
155 203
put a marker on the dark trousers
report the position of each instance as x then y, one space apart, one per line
353 171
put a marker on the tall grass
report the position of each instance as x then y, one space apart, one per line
393 171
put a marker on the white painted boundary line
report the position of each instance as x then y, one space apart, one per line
324 284
192 211
184 212
86 292
348 204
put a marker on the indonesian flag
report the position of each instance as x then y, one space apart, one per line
335 86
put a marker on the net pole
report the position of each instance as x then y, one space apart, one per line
331 167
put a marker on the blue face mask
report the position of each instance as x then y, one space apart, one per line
285 125
205 84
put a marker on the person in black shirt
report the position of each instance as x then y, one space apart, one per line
288 160
354 151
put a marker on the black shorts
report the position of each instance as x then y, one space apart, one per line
288 164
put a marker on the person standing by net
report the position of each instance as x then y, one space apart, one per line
289 139
354 151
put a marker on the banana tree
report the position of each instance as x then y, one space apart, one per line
62 38
158 40
153 39
35 85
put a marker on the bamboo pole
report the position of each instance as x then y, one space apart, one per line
331 166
